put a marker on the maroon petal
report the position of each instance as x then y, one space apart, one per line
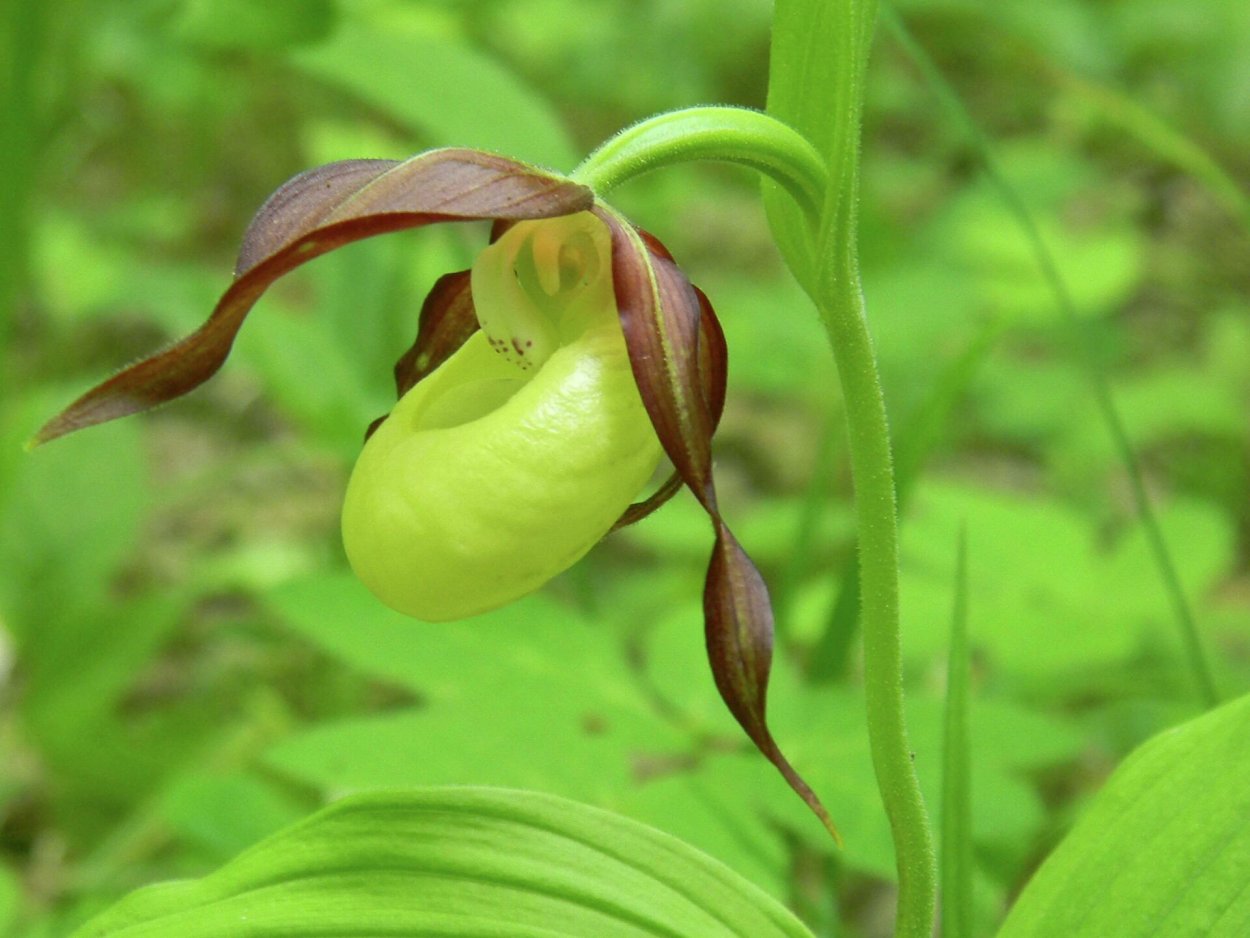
660 316
679 365
300 204
712 364
311 214
713 358
446 322
738 630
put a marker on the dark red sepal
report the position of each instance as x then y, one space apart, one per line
446 322
314 213
679 367
713 372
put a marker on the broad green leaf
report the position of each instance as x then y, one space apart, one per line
503 709
458 862
78 668
1186 410
517 733
826 731
1033 403
675 663
530 695
531 641
719 810
1163 850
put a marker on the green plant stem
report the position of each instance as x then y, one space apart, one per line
877 527
728 134
1191 639
836 288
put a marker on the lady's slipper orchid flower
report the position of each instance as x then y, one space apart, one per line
534 405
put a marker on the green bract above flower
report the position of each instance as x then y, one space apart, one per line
533 406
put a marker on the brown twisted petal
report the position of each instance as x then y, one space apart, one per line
661 316
314 213
713 361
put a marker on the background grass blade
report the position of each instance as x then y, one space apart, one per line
1162 139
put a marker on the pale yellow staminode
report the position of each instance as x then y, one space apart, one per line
517 455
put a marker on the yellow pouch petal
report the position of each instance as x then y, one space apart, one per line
489 479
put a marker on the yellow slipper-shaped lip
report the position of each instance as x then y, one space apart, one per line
518 454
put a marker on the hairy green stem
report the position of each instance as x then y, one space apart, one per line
877 525
836 288
728 134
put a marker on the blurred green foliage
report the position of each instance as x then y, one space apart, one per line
186 665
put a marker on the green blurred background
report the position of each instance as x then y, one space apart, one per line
185 663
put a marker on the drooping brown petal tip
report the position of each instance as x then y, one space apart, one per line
314 213
678 357
738 629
